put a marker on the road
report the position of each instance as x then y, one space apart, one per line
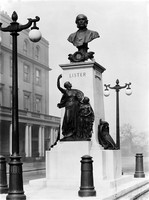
31 175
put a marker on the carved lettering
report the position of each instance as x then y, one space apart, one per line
79 74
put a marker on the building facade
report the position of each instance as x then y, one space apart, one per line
37 129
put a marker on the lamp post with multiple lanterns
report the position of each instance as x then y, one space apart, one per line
15 191
117 88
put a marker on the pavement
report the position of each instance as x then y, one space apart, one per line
63 190
37 188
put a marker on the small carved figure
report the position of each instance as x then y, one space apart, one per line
80 39
86 119
104 138
70 100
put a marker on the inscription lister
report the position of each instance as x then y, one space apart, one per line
79 74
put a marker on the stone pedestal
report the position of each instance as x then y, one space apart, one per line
63 161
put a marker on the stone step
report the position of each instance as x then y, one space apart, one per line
136 193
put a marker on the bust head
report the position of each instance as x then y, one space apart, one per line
81 21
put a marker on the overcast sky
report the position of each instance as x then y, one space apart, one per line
123 48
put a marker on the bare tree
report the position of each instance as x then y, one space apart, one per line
127 138
132 141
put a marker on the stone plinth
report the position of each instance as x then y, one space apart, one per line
63 161
112 167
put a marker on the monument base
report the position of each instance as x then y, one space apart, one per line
63 161
63 172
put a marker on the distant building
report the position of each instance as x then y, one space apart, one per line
37 129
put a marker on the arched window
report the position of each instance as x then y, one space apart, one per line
37 52
25 47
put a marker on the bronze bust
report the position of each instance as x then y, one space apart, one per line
80 39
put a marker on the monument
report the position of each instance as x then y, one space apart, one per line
84 134
82 110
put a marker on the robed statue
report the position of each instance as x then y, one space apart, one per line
104 138
78 113
86 119
80 39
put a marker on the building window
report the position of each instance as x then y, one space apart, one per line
26 72
1 94
38 77
38 103
10 66
10 41
25 47
1 64
27 101
10 97
37 51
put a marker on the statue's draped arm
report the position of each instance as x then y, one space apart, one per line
58 84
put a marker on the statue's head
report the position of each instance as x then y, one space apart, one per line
105 126
86 100
67 85
81 21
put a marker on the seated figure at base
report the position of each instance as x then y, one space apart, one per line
104 138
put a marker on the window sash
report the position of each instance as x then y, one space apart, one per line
27 102
26 73
38 104
38 77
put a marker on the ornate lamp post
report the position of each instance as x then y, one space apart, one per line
117 88
15 191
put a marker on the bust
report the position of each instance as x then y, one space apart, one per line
81 38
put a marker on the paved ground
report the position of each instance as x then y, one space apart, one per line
36 170
33 171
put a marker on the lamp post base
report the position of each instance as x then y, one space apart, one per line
16 197
15 191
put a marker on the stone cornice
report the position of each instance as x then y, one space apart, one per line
27 58
78 65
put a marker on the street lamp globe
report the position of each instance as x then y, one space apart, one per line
35 35
128 91
106 92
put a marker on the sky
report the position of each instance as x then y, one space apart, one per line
123 48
